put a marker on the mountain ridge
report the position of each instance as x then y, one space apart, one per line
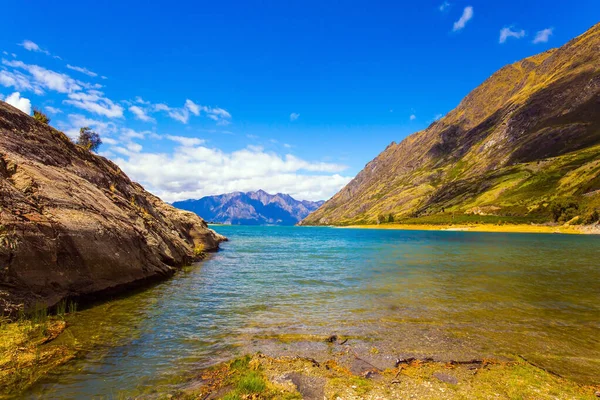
488 150
250 208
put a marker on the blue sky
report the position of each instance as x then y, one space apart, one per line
199 98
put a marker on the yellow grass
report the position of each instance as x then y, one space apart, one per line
514 228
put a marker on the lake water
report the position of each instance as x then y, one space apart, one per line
431 293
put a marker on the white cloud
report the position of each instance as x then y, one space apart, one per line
413 117
141 114
31 46
193 171
19 81
543 35
82 70
185 141
294 116
95 102
134 147
19 102
139 100
217 112
438 117
47 79
444 6
110 141
53 110
220 115
465 17
129 134
507 32
192 107
77 121
181 115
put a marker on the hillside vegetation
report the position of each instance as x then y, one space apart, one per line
522 147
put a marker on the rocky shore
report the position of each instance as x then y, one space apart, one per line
350 370
72 224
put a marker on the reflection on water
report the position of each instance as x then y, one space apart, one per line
424 292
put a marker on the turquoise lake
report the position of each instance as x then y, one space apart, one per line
432 293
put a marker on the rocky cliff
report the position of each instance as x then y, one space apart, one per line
73 224
251 208
525 139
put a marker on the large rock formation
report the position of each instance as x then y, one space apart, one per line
73 224
526 137
251 208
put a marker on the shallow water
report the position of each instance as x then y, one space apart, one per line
443 294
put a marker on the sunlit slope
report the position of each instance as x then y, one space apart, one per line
527 137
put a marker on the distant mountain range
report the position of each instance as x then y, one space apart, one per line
250 208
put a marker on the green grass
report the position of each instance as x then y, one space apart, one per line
251 383
467 219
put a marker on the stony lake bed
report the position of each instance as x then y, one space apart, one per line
348 313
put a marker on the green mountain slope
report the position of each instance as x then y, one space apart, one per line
523 146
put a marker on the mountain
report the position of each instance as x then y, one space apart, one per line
73 224
525 146
251 208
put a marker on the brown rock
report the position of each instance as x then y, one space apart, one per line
310 387
73 224
447 378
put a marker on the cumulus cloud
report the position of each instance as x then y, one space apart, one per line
19 102
507 32
465 17
543 35
140 114
95 102
193 171
413 117
294 116
82 70
444 6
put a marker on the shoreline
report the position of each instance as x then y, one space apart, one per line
507 228
263 376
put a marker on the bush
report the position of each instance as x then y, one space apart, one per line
563 210
40 116
89 139
592 218
390 218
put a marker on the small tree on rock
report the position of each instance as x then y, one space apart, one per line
89 139
40 116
